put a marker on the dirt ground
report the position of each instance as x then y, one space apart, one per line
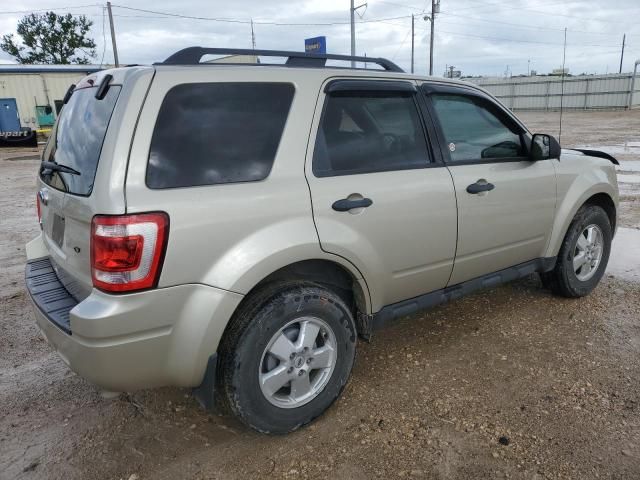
509 383
615 132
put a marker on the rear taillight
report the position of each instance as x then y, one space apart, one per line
38 209
127 251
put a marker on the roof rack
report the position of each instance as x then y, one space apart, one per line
192 56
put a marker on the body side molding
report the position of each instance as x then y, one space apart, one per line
422 302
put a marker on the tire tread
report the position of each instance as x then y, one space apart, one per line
557 280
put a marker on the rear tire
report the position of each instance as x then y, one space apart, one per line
287 356
583 255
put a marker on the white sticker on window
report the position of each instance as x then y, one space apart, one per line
452 147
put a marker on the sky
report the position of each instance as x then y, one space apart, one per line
490 37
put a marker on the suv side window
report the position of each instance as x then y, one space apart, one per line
474 129
369 131
212 133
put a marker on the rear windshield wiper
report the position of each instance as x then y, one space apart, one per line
57 167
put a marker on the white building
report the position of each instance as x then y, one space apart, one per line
27 90
31 95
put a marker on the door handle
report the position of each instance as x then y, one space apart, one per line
480 186
346 204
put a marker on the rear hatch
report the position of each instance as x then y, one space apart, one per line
82 173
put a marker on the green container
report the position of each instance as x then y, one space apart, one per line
45 119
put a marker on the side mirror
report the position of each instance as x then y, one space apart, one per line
544 147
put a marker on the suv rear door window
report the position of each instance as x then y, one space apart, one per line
76 140
365 132
475 131
212 133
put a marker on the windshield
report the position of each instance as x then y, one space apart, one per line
76 140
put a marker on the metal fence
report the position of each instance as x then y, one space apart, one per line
582 92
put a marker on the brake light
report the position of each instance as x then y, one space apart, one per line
38 208
127 251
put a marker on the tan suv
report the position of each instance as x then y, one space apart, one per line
235 228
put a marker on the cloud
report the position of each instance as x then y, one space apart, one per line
478 37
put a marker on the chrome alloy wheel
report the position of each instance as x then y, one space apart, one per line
297 362
588 252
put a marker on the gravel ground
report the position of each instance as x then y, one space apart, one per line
509 383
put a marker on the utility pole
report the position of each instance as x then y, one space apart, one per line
624 37
352 12
412 39
451 67
433 18
113 36
253 36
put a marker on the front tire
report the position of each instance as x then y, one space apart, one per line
583 255
287 356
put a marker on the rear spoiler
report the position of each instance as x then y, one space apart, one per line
597 153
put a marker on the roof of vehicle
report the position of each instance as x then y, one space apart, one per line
187 63
296 61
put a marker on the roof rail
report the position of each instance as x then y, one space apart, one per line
192 56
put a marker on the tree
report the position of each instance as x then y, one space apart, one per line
52 39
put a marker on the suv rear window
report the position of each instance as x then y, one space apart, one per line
76 140
212 133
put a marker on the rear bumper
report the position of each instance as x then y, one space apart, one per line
148 339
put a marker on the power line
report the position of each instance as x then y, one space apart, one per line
514 40
72 7
409 7
584 19
405 56
389 20
505 39
237 20
502 6
382 20
401 44
168 15
515 25
520 25
507 6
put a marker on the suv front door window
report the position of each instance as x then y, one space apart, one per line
474 130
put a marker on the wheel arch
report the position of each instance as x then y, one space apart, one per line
602 195
349 285
606 203
335 274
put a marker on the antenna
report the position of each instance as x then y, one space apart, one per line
564 57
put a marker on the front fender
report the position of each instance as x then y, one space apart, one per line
574 189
